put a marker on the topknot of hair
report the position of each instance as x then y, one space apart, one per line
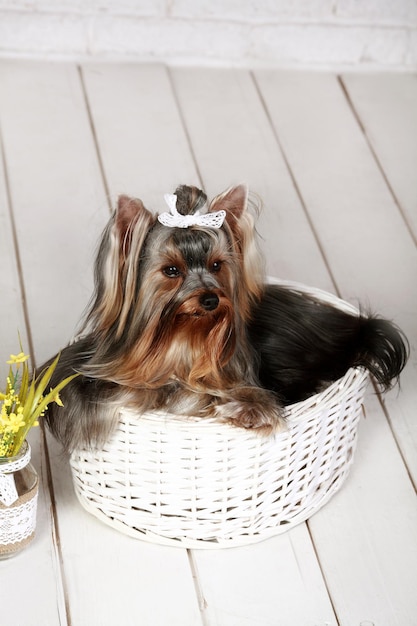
189 199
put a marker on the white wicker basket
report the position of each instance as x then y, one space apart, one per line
197 483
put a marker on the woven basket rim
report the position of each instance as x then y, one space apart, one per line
294 413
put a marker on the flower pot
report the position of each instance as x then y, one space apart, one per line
18 502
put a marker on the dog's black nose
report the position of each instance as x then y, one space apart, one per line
209 301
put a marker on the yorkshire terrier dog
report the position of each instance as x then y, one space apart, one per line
182 321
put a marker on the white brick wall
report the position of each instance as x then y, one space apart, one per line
318 33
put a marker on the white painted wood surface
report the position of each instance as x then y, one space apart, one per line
55 186
70 138
11 311
386 106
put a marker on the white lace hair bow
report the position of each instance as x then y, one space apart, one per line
175 219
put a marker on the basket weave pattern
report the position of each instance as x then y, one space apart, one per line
198 483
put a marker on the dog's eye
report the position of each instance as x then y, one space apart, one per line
216 266
171 271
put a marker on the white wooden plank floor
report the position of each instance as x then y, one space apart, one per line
334 159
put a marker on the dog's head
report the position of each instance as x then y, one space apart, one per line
172 299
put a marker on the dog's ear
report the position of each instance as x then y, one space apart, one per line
116 263
234 201
240 226
133 222
129 212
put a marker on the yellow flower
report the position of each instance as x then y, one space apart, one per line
57 399
16 421
24 401
18 358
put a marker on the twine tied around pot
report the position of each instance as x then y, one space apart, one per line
8 491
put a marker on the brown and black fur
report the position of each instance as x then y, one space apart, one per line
182 320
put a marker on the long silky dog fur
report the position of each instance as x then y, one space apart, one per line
183 321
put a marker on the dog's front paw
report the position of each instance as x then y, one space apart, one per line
253 410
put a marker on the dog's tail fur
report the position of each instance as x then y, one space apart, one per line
304 344
382 349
